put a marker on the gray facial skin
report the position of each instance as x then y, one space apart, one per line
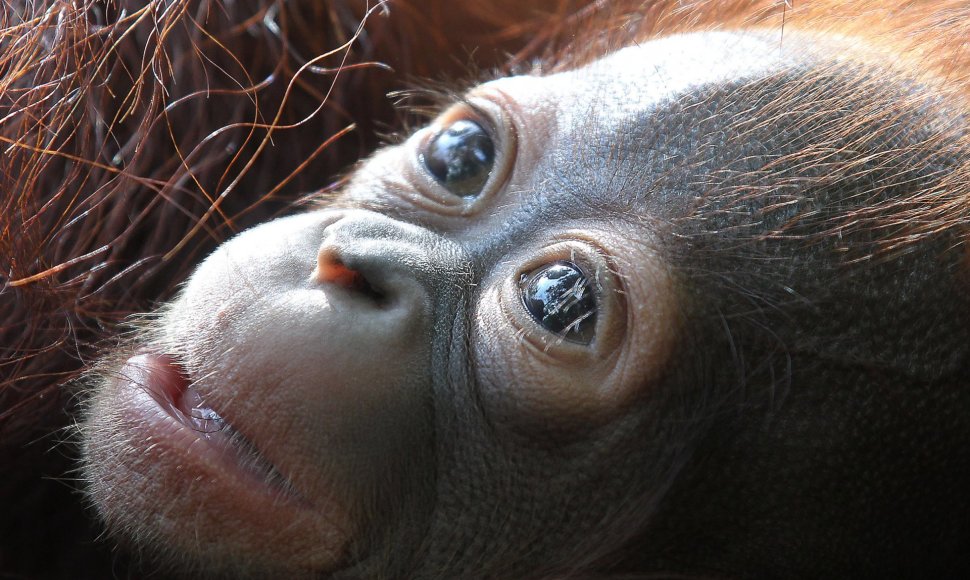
767 383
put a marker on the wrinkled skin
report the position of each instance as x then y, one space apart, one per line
766 389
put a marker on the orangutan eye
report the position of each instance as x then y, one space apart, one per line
559 297
461 158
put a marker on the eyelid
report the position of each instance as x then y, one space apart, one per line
484 118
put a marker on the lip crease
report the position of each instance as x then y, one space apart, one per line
169 386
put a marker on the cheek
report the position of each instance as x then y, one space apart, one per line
529 382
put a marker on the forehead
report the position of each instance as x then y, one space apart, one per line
640 78
618 133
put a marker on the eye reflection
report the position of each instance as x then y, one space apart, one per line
461 158
559 297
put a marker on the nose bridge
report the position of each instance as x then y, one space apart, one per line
386 250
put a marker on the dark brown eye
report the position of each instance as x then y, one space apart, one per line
559 297
461 158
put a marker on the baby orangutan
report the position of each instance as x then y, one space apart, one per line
695 307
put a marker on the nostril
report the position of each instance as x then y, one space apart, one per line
362 285
330 268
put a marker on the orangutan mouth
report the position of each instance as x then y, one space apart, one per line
170 387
